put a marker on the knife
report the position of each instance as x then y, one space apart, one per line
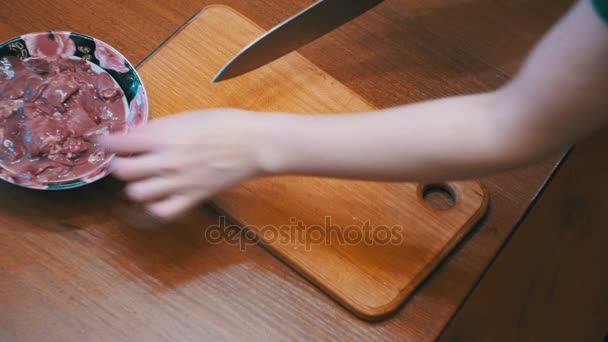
295 32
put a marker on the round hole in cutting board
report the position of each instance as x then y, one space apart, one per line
438 196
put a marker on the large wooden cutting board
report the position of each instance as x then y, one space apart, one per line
366 244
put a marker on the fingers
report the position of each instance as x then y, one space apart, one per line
134 142
129 169
173 206
154 188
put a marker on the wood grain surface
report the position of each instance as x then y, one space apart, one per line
307 221
58 282
550 282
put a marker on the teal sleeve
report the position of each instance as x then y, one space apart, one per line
601 7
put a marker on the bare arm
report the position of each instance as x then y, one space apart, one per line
559 96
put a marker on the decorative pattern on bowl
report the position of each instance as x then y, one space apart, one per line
68 44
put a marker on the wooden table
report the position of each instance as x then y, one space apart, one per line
70 284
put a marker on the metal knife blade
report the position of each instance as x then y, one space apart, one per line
295 32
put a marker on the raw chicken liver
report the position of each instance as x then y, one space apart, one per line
51 110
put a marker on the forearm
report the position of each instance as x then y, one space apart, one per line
436 140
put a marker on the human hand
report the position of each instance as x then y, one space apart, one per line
181 160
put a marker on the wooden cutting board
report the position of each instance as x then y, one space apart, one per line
366 244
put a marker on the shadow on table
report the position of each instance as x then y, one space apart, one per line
99 222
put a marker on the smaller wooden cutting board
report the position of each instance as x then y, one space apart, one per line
366 244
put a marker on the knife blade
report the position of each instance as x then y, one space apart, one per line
313 22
